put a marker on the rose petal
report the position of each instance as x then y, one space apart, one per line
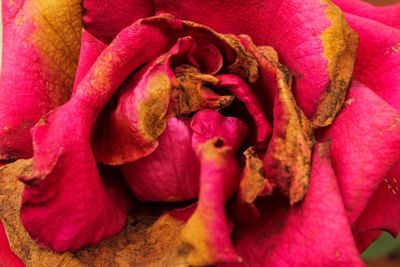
364 148
378 58
208 124
320 54
205 238
171 172
65 186
105 19
7 257
91 49
240 89
289 238
288 159
382 212
388 15
41 42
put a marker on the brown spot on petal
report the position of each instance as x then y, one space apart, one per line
288 159
340 44
191 93
253 182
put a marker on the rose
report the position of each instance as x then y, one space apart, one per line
61 139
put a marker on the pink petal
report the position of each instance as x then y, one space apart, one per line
243 92
105 19
91 49
378 58
383 210
365 145
7 257
66 187
208 124
171 172
206 236
306 48
389 15
130 131
40 55
314 233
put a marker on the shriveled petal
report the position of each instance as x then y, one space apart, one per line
288 159
171 172
41 41
205 239
320 54
243 92
7 257
365 145
383 210
294 237
106 18
389 15
378 58
65 186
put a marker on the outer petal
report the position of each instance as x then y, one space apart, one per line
364 147
389 15
378 58
106 18
171 172
7 257
320 217
41 42
320 54
382 212
65 186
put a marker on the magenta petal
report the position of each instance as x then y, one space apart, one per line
382 212
365 145
243 92
91 48
208 124
389 15
314 233
106 18
171 172
7 257
378 58
39 58
206 236
65 187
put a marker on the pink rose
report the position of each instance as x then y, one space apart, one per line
247 106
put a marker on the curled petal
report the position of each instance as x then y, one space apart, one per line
320 54
7 257
171 172
106 18
364 148
41 42
388 15
287 237
288 158
242 91
65 186
205 239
